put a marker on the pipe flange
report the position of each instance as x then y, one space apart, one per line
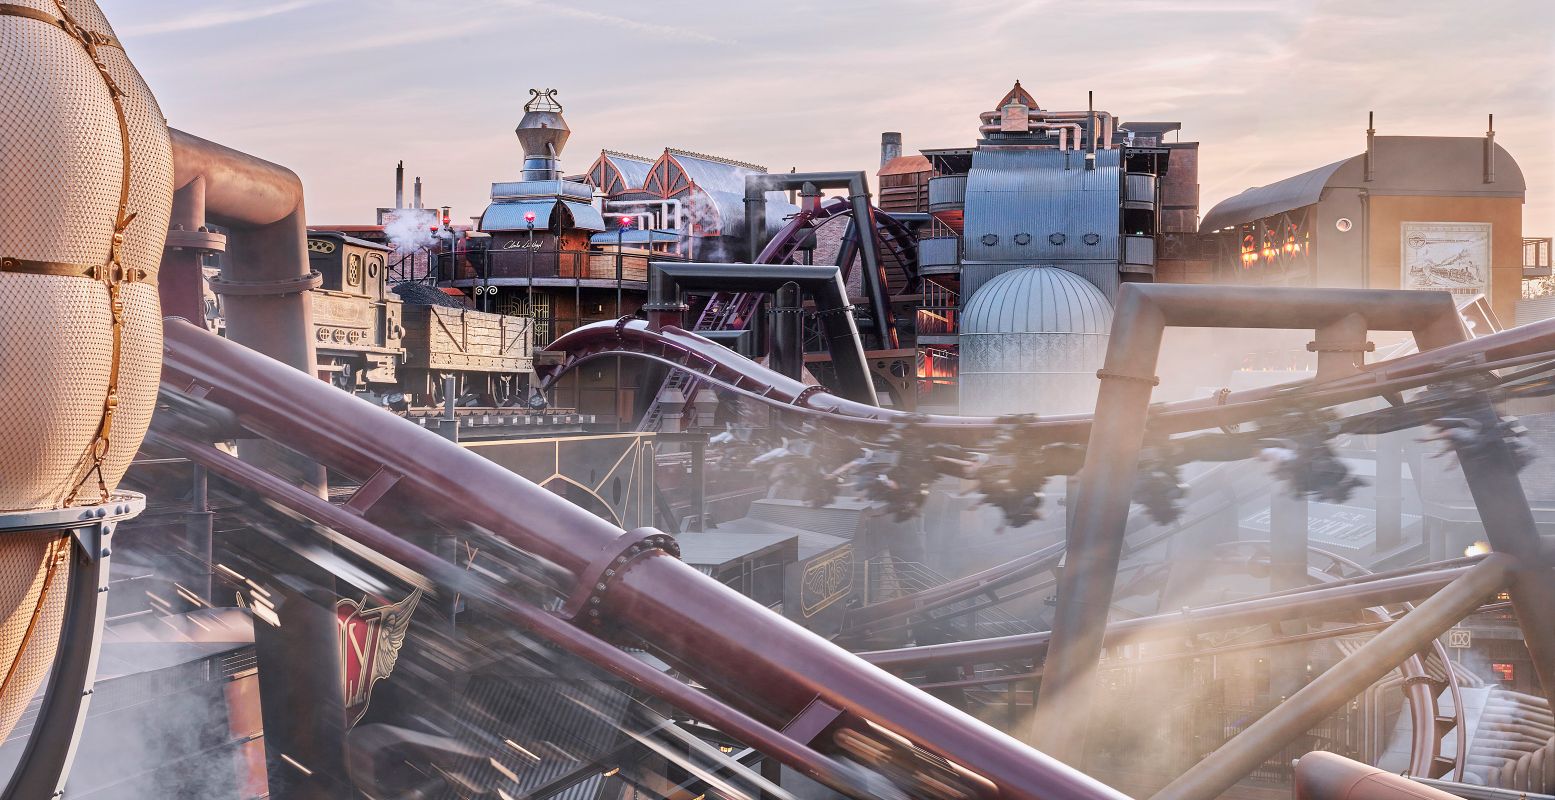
594 583
257 288
1314 347
208 241
808 392
1104 374
621 325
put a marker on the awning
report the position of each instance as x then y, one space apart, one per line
500 217
635 236
508 216
585 216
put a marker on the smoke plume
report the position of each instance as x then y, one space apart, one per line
411 229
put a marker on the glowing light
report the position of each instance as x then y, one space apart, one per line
1477 549
625 222
529 216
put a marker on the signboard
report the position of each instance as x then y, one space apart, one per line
1445 256
1460 638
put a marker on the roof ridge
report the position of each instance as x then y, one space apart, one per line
675 151
634 156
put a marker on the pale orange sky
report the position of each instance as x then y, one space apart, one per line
339 90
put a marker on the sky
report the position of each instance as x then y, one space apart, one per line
339 90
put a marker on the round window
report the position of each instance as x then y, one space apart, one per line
1343 224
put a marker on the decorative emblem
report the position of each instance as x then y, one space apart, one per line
320 246
1023 238
370 642
354 269
825 581
1091 238
1056 238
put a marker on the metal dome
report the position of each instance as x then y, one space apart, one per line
1031 342
1037 300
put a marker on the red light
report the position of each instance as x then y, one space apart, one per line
626 222
529 216
446 220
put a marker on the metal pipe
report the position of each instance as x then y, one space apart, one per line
1221 769
266 272
452 578
756 188
1318 601
767 666
399 185
787 350
1329 776
1112 455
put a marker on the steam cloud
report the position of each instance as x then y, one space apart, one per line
411 229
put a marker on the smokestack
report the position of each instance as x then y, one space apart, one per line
399 185
418 191
890 147
1371 146
1490 150
1090 131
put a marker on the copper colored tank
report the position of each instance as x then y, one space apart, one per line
85 192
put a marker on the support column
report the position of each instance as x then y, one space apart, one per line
787 348
1390 491
1221 769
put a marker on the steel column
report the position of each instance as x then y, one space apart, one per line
1221 769
787 350
1143 311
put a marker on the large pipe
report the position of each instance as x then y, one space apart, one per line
266 272
1144 311
1312 602
1232 761
1330 776
756 661
824 283
787 351
454 579
756 188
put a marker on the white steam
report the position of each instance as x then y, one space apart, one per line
411 229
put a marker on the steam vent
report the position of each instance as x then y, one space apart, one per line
980 471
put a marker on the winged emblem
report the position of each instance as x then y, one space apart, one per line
370 643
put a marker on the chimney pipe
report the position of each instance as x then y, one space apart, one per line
399 185
418 191
1490 150
1371 146
890 147
1090 131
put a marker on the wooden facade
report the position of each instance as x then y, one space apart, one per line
443 339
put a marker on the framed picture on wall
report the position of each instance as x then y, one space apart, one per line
1446 256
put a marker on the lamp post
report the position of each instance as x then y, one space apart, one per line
529 221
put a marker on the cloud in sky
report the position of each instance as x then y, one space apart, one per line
214 17
341 90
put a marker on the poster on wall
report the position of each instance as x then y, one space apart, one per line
1446 256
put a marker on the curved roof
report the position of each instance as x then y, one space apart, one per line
1037 300
1275 198
1443 166
509 216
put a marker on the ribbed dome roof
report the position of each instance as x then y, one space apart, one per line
1037 300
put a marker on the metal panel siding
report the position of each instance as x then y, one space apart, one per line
947 192
585 216
633 171
510 216
1016 196
1275 198
938 251
519 190
1037 300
